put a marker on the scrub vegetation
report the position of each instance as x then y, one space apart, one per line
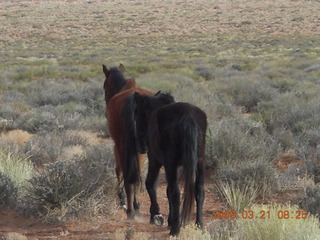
252 66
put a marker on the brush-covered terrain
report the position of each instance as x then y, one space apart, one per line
253 66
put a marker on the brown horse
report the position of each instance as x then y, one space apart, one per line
129 147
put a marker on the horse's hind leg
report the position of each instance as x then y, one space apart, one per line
151 185
130 199
121 193
199 190
173 194
136 203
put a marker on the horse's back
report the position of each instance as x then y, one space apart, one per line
170 116
168 125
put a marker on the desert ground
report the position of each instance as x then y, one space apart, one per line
251 65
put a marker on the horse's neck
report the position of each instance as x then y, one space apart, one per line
131 83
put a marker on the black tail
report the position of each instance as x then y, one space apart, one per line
131 170
189 136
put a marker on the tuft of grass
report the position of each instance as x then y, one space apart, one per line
15 136
17 168
237 198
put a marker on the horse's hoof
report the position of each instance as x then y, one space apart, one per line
130 214
158 219
124 207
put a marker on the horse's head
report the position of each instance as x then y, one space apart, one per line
146 105
114 81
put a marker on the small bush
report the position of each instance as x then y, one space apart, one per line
259 175
243 151
8 191
205 71
249 96
39 120
310 201
240 141
64 189
246 91
48 148
293 111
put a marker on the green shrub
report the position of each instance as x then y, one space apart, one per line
243 152
205 71
249 95
258 175
51 92
239 141
296 112
47 148
40 120
310 201
8 192
64 189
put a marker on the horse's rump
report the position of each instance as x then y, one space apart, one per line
122 128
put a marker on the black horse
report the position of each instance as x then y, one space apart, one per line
176 138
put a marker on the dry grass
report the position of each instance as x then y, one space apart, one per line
16 136
14 236
87 19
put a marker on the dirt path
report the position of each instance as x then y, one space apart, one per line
11 224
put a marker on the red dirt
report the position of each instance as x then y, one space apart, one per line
100 228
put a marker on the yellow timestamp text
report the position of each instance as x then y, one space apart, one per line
280 214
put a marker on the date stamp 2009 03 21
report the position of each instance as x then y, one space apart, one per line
280 214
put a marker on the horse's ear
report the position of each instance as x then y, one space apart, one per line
105 70
158 93
121 67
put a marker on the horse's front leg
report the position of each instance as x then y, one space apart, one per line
151 185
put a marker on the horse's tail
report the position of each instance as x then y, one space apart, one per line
131 170
189 137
